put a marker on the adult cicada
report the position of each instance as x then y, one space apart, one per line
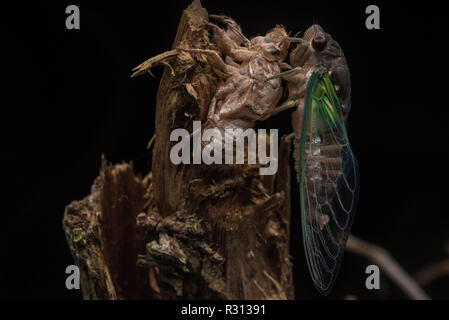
327 171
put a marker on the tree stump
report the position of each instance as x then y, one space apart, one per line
184 231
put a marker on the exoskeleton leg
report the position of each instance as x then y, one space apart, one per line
234 31
286 74
222 39
285 106
231 62
216 60
230 42
296 40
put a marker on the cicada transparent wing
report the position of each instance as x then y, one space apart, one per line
328 180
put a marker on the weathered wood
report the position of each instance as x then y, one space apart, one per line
103 237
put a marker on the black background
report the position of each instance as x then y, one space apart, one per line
69 99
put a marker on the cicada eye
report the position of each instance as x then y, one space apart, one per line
319 42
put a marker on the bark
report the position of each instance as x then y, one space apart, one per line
184 231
